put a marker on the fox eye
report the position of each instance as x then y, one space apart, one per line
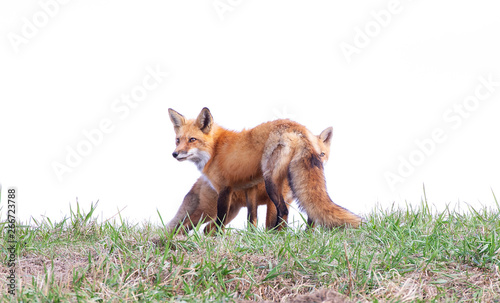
192 139
177 140
322 154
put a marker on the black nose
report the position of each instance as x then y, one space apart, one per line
175 154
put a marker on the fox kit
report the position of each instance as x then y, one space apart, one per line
273 151
200 203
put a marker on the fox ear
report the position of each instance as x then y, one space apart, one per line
326 135
205 120
177 119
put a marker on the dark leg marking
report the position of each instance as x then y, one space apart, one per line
278 200
223 205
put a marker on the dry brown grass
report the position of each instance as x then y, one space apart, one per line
394 257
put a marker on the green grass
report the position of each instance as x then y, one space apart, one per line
411 254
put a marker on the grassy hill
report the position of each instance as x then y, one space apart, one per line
406 255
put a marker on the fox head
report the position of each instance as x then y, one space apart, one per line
193 138
324 142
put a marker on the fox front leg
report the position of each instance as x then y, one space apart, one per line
310 223
223 202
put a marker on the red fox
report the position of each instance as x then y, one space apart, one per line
200 203
274 151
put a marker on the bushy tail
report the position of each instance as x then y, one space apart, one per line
307 181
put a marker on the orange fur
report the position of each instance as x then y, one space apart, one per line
273 151
200 203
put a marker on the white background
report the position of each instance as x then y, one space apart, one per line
249 62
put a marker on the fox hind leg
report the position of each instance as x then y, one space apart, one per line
251 197
275 169
273 190
271 214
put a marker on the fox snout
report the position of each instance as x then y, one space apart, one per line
179 155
